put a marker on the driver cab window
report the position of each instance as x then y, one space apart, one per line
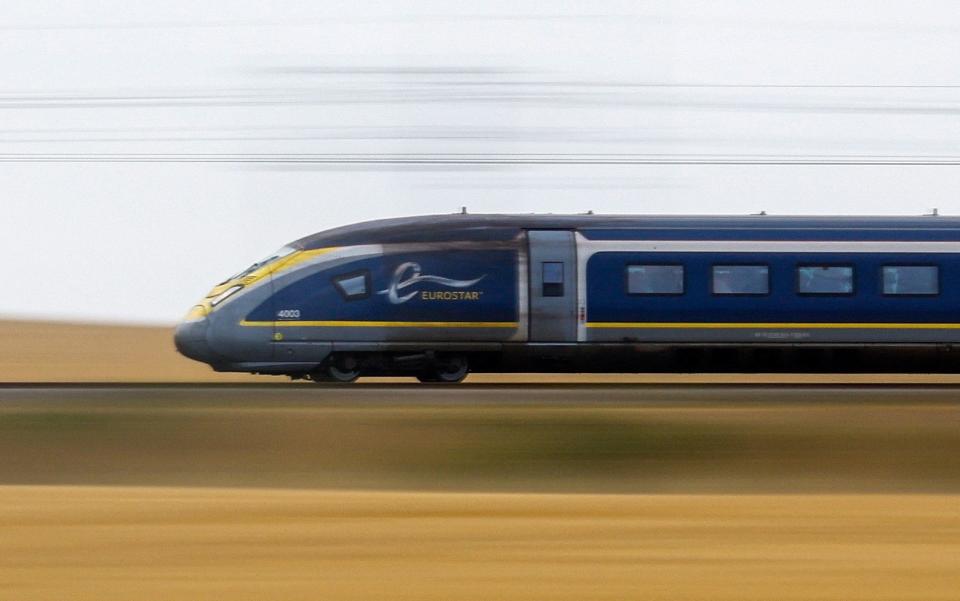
353 286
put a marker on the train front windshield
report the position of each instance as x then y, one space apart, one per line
276 256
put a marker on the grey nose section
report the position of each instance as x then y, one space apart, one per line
190 338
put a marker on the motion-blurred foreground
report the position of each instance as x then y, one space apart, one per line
585 438
561 492
185 544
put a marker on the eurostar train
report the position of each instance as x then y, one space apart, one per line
438 296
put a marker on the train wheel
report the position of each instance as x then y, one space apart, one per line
342 370
447 370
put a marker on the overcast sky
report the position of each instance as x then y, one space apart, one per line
220 103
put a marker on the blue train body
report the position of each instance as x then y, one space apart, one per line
866 305
437 296
492 273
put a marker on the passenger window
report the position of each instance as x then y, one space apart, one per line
911 280
552 278
741 279
825 279
655 279
353 286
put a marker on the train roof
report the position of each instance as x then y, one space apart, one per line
491 227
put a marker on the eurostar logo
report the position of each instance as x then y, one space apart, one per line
410 274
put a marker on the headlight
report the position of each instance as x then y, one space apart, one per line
224 295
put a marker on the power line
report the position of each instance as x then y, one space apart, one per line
704 85
852 86
536 93
503 159
307 21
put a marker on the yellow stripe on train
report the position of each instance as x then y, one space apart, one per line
380 324
711 325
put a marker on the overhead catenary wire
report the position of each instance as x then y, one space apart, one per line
561 93
489 159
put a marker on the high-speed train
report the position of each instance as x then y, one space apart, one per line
438 296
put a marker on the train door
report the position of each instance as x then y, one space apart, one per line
553 286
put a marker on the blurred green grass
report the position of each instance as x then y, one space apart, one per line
585 440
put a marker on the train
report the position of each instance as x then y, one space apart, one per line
439 296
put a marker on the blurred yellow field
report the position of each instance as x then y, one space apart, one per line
65 352
126 544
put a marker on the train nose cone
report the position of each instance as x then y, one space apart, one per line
190 338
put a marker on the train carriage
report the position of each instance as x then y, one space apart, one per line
438 296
